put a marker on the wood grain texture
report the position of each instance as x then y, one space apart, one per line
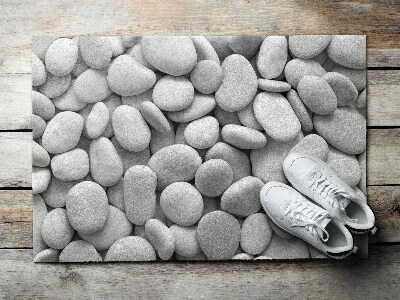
23 19
16 159
375 278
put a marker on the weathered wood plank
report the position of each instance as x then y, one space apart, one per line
375 278
16 159
23 19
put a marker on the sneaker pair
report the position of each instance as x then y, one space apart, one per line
326 222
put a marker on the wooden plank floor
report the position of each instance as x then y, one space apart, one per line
375 278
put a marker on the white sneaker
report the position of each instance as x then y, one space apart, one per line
292 212
318 181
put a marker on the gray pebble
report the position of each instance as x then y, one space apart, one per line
55 86
276 116
256 233
362 99
238 160
61 56
130 129
218 234
115 195
186 243
130 41
244 45
105 164
69 100
362 159
154 117
345 165
300 110
174 163
273 56
47 256
342 86
71 165
204 49
40 44
206 76
92 86
225 117
79 251
345 129
131 248
97 120
297 68
117 47
112 102
42 106
136 53
201 106
131 158
280 248
358 77
161 237
39 73
308 46
317 95
202 133
243 256
349 50
247 117
57 191
38 126
313 145
116 227
40 179
242 198
239 84
40 157
273 85
137 100
96 51
127 77
140 194
221 45
173 93
159 140
213 177
87 207
39 213
57 232
174 55
243 137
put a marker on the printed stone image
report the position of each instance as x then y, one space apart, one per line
156 148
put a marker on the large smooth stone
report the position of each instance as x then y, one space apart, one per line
308 46
297 68
61 56
131 248
349 50
273 56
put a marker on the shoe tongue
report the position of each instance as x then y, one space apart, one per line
325 222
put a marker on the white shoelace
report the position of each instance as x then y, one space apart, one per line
321 184
304 215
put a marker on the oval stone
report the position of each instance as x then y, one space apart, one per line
96 51
131 248
57 232
42 106
297 68
79 251
206 76
71 165
186 243
202 133
39 73
92 86
349 50
273 56
302 113
97 120
161 237
245 45
55 86
313 145
204 49
201 105
342 86
213 177
155 117
308 46
256 234
40 157
61 56
243 137
247 117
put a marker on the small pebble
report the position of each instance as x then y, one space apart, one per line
55 86
115 195
280 248
39 73
239 84
96 51
342 86
317 95
345 129
243 256
97 121
116 227
39 213
154 117
87 207
92 86
256 233
140 194
213 177
276 116
273 56
202 133
61 56
221 45
130 129
159 141
38 126
40 157
242 198
204 49
69 100
173 93
273 85
182 203
345 165
174 55
206 76
174 163
313 145
302 113
247 117
218 234
237 159
47 256
131 248
105 164
71 165
297 68
161 237
42 106
362 160
201 106
40 179
349 50
186 243
57 191
362 99
79 251
308 46
247 46
127 77
131 158
243 137
358 77
57 232
225 117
